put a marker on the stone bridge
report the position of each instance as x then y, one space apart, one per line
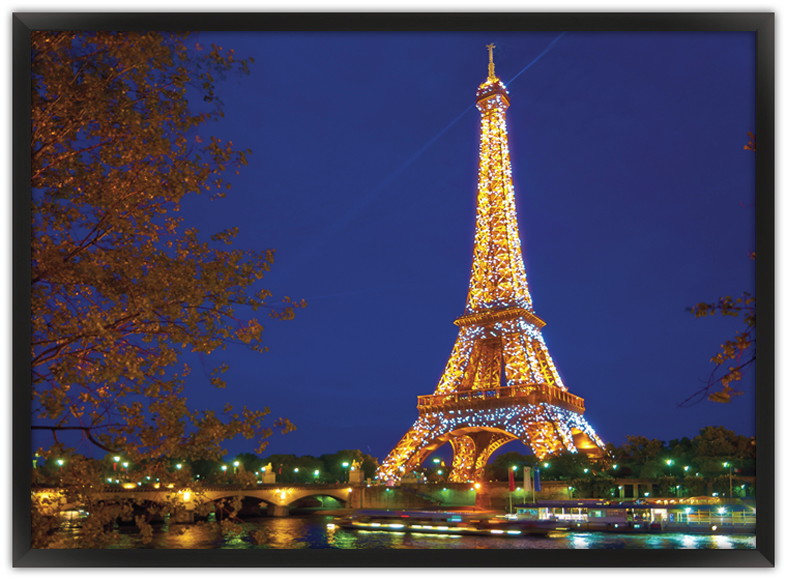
277 497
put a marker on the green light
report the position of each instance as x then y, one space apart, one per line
436 460
224 468
515 467
296 470
669 461
178 466
345 464
236 463
60 462
614 466
546 465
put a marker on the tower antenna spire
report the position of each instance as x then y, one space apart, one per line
491 48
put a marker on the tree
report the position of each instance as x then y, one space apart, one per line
737 353
121 287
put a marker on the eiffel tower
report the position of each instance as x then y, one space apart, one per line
500 383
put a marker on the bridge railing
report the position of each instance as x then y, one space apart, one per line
525 393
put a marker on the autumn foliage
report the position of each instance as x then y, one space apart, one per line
121 286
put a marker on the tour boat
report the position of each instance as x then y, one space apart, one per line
665 515
447 523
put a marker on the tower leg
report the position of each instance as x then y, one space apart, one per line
464 458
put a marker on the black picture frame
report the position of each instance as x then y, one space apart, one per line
762 24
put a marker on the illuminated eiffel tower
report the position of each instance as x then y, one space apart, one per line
500 383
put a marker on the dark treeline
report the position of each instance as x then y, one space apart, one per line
244 468
712 457
712 460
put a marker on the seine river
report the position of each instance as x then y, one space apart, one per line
312 532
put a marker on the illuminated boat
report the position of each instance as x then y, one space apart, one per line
447 523
668 515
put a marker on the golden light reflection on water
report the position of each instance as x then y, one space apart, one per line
313 532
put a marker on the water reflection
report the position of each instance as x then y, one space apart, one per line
688 542
579 541
313 532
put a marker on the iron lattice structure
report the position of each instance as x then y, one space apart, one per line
500 383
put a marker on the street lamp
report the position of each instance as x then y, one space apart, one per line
728 465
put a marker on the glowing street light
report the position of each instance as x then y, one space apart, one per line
728 465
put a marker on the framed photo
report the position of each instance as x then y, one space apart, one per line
297 207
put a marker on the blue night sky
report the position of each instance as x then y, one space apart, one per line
635 200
